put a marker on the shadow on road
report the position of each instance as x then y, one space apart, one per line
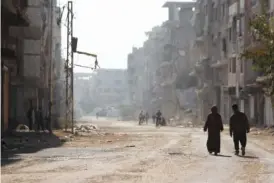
25 143
175 153
224 156
249 157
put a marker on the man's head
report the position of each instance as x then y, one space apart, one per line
235 108
214 109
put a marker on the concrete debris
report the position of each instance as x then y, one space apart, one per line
85 128
253 129
22 128
65 139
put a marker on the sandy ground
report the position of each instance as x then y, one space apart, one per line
127 153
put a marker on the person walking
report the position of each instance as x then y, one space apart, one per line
238 128
214 126
141 117
31 115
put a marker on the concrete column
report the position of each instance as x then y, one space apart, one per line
242 105
252 107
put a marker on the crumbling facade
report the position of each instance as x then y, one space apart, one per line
222 33
162 60
26 39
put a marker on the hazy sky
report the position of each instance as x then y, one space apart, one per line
110 28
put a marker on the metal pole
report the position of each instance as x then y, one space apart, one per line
67 67
237 56
238 59
72 74
50 68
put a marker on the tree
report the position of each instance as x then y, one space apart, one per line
262 55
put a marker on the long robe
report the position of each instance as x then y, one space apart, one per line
214 126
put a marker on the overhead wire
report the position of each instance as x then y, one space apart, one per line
60 22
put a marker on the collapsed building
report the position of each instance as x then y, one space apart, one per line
156 71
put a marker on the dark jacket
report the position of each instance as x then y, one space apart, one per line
158 114
238 123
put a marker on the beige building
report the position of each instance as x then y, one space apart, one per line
222 33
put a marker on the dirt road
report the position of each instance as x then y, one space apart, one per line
142 154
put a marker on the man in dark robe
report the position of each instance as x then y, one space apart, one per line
214 126
238 128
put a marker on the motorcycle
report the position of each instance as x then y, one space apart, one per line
141 120
160 121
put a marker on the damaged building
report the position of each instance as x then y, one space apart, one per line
27 48
222 33
157 71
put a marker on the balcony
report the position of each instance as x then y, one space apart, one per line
232 79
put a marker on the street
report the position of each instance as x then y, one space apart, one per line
129 153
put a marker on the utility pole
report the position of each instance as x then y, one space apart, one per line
50 67
72 71
238 52
69 69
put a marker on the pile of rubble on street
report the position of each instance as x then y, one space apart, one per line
263 131
86 129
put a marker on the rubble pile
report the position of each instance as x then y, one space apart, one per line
262 131
86 129
22 128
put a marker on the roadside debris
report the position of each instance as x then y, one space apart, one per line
86 129
66 138
262 131
22 128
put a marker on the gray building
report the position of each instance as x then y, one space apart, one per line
154 69
33 50
110 87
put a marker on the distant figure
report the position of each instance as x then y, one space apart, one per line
31 116
40 119
214 126
163 121
97 115
147 117
141 117
238 128
158 117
